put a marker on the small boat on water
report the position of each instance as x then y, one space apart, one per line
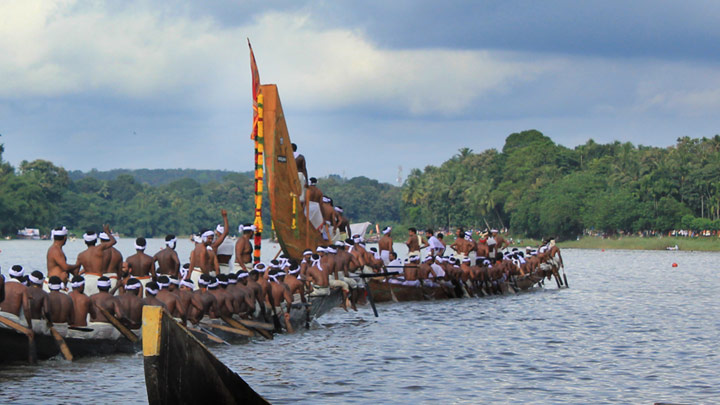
179 369
28 233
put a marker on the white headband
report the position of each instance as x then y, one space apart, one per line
90 238
338 209
171 241
296 271
242 275
34 279
19 273
138 247
55 287
163 285
133 286
207 234
261 267
151 291
196 239
326 199
493 231
104 236
232 280
61 232
103 283
77 284
175 281
187 283
222 282
220 229
213 284
387 230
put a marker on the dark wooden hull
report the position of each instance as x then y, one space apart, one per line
284 187
15 346
384 292
181 370
319 306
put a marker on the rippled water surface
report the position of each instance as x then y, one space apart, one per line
630 329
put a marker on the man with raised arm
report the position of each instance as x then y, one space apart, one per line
223 246
91 259
244 247
202 259
112 261
57 264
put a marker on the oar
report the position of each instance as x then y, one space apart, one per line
64 349
80 328
240 324
32 349
254 324
235 324
208 334
370 297
230 329
118 325
389 273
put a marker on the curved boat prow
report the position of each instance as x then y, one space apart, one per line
181 370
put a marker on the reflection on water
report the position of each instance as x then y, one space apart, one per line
630 329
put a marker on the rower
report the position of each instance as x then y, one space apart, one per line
385 244
222 306
39 304
167 259
81 302
142 265
104 300
244 247
346 262
60 305
319 279
231 304
131 303
330 264
191 303
253 281
396 264
241 279
223 246
91 259
151 291
279 291
413 242
16 297
57 264
424 272
411 272
170 299
112 261
240 293
297 287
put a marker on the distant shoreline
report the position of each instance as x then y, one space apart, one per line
704 244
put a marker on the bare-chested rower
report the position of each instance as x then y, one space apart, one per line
254 282
60 305
244 247
131 304
202 259
413 243
39 304
81 302
142 265
169 298
191 303
16 297
167 259
208 301
104 300
279 292
57 264
91 259
151 291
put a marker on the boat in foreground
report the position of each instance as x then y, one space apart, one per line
181 370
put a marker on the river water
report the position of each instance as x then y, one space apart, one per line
631 329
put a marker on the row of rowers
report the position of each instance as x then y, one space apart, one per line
211 255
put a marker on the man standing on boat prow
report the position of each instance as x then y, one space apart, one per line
57 264
244 247
91 259
302 171
167 258
16 296
142 265
112 261
385 244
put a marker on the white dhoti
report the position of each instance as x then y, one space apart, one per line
430 283
473 257
102 330
195 277
226 268
91 283
414 253
11 317
349 280
337 283
303 182
385 256
413 283
319 291
368 270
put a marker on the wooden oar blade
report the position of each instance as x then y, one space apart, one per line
118 325
256 324
64 349
228 329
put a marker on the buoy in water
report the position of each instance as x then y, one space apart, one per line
603 250
674 264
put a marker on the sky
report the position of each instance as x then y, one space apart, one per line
367 87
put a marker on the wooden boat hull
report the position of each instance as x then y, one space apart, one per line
290 223
181 370
384 292
319 306
15 346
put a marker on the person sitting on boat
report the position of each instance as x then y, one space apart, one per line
347 263
131 304
297 287
17 297
302 171
254 282
60 305
81 302
142 265
39 305
151 291
335 274
112 261
167 259
91 259
279 295
410 271
102 299
242 295
244 247
396 265
231 305
426 274
57 264
203 261
463 244
385 244
170 299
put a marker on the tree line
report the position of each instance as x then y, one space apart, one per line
532 186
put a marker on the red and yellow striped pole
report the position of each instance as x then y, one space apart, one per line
259 161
